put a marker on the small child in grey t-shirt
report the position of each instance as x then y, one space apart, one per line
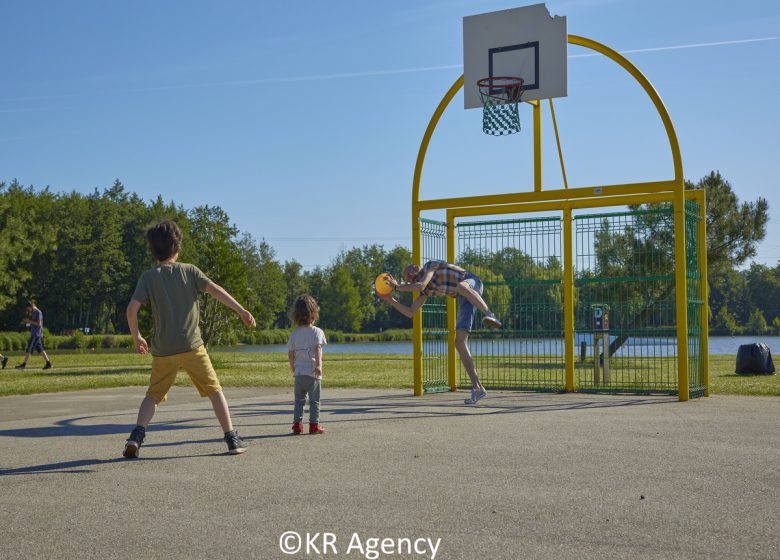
304 352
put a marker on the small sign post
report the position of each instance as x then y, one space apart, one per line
600 335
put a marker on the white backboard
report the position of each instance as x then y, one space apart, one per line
522 42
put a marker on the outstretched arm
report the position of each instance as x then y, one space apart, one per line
222 296
132 321
407 310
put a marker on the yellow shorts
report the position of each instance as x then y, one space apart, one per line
197 365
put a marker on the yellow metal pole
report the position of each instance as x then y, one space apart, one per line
537 145
558 142
417 338
568 299
594 192
416 234
558 205
681 288
451 310
704 290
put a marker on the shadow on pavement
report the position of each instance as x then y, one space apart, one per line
371 408
69 427
391 407
79 466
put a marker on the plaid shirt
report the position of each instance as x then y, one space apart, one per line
445 280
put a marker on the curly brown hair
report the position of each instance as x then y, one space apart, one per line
305 311
164 239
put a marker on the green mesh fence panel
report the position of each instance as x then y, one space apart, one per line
519 262
696 305
434 313
626 261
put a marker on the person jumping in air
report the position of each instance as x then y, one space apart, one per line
172 289
304 352
440 278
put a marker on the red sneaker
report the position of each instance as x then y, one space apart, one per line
297 428
316 429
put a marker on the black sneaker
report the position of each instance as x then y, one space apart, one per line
20 366
490 321
234 443
4 361
134 442
47 366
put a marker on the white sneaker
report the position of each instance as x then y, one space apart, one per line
476 396
491 322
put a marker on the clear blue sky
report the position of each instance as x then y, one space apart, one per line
303 119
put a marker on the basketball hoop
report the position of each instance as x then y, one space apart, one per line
500 96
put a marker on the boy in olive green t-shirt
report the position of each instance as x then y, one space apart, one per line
172 290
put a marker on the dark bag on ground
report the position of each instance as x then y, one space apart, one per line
754 358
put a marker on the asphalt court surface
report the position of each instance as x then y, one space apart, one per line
521 475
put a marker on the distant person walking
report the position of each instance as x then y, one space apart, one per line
35 322
172 289
3 360
304 352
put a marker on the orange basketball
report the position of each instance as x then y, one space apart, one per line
381 285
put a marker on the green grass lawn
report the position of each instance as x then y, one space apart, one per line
101 369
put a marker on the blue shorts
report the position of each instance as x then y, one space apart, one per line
35 344
465 316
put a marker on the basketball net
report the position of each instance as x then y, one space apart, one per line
500 96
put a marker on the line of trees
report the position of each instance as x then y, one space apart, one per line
80 255
742 300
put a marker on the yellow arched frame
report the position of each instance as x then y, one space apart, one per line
565 200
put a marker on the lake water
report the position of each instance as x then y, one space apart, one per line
719 345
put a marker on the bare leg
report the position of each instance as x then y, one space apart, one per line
222 411
473 296
462 346
146 411
45 356
145 414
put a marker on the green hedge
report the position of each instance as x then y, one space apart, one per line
13 341
281 336
10 341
